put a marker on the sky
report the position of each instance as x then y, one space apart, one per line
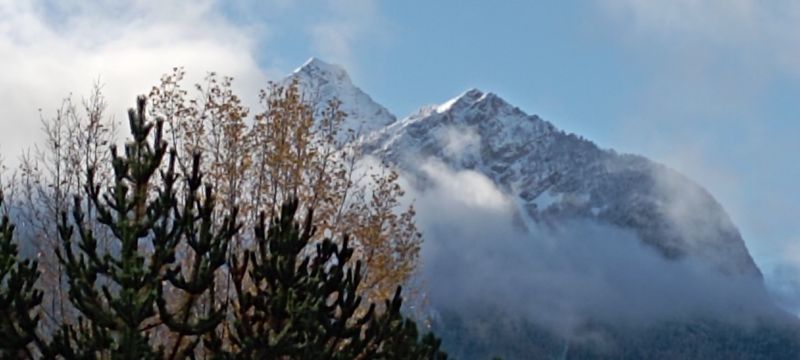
710 88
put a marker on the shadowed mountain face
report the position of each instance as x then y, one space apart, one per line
549 173
552 175
539 238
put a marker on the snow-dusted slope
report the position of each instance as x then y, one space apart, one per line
550 175
553 175
540 244
322 82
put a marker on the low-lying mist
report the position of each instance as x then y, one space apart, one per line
560 274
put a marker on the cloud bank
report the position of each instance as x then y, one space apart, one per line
53 49
722 67
477 256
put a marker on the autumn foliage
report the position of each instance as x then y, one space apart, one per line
196 178
287 149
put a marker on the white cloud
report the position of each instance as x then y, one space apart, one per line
349 23
459 142
54 49
465 188
708 67
334 40
783 281
558 275
765 32
705 65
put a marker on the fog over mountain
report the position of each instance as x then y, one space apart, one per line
540 244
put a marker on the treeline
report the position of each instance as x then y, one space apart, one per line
485 332
210 234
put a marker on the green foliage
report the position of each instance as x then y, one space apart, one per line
144 252
307 307
19 300
151 293
122 296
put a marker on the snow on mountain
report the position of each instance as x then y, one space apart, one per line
540 242
554 175
322 82
550 174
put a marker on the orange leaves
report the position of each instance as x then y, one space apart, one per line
289 149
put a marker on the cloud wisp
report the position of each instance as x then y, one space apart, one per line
336 38
765 31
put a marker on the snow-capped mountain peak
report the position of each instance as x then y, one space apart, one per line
513 203
552 176
316 68
322 82
468 97
475 98
556 176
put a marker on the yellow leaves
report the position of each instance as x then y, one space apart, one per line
285 149
254 161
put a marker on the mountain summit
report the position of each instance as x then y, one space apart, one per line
322 83
550 174
555 176
538 241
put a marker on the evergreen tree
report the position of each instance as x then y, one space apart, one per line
303 307
136 301
19 300
289 149
151 292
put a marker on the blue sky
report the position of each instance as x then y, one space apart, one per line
711 88
708 87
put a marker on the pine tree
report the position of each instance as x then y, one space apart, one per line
19 300
288 150
304 307
149 255
129 297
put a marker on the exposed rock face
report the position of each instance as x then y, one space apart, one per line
554 175
551 174
554 179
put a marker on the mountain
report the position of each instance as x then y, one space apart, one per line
540 244
554 175
322 83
